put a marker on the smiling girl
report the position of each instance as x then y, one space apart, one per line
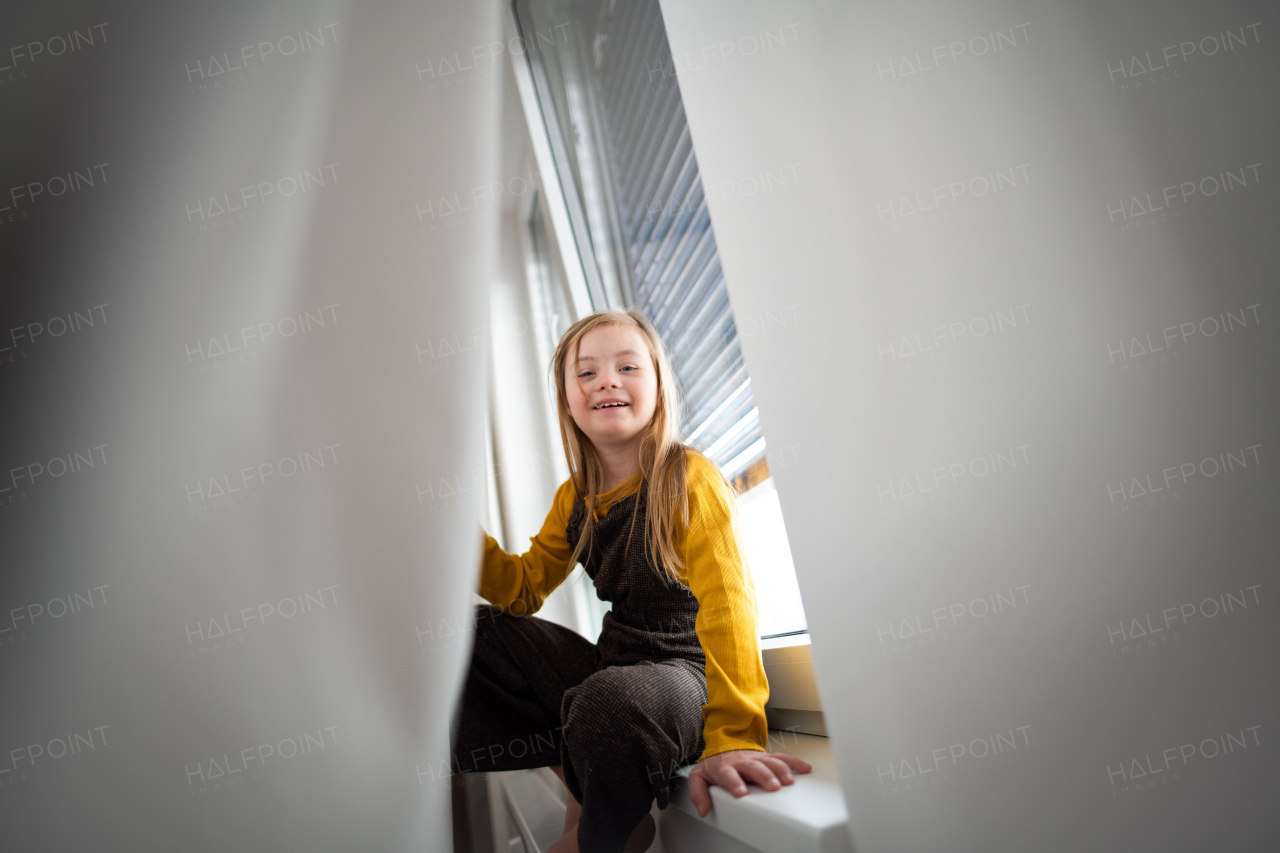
676 675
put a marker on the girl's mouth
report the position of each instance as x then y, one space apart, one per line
616 405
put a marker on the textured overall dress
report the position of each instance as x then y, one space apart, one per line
620 715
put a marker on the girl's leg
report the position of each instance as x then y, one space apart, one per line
639 841
508 717
627 729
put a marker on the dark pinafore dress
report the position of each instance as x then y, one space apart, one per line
620 715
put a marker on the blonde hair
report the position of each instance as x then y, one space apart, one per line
663 463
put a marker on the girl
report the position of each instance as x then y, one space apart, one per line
676 675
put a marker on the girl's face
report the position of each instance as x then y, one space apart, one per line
613 387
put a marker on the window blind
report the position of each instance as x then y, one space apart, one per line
666 233
614 69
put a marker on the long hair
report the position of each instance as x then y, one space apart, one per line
663 465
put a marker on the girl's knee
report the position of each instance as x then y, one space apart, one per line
600 690
612 710
590 709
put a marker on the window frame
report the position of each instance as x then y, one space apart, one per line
557 152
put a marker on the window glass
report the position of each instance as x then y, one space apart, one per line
764 536
550 296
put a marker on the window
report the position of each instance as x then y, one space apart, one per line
551 300
630 180
629 177
553 314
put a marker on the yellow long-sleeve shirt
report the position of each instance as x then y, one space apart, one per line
717 574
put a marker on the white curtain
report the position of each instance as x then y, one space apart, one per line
1003 273
238 519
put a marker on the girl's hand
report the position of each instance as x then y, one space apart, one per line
733 769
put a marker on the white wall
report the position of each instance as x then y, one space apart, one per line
974 533
192 679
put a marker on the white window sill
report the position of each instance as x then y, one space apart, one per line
806 817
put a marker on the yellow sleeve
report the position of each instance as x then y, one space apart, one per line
518 584
728 619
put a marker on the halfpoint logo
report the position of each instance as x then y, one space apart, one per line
238 347
948 336
21 477
241 64
23 57
1144 490
243 204
20 198
918 68
911 773
939 201
26 757
916 631
461 66
940 480
1169 201
24 335
22 619
218 633
1138 71
1139 773
1146 631
230 769
1137 352
225 489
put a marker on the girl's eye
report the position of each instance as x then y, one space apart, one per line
584 373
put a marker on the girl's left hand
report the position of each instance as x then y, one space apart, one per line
733 769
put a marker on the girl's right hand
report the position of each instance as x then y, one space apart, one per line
769 770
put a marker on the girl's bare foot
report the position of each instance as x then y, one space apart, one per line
568 842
